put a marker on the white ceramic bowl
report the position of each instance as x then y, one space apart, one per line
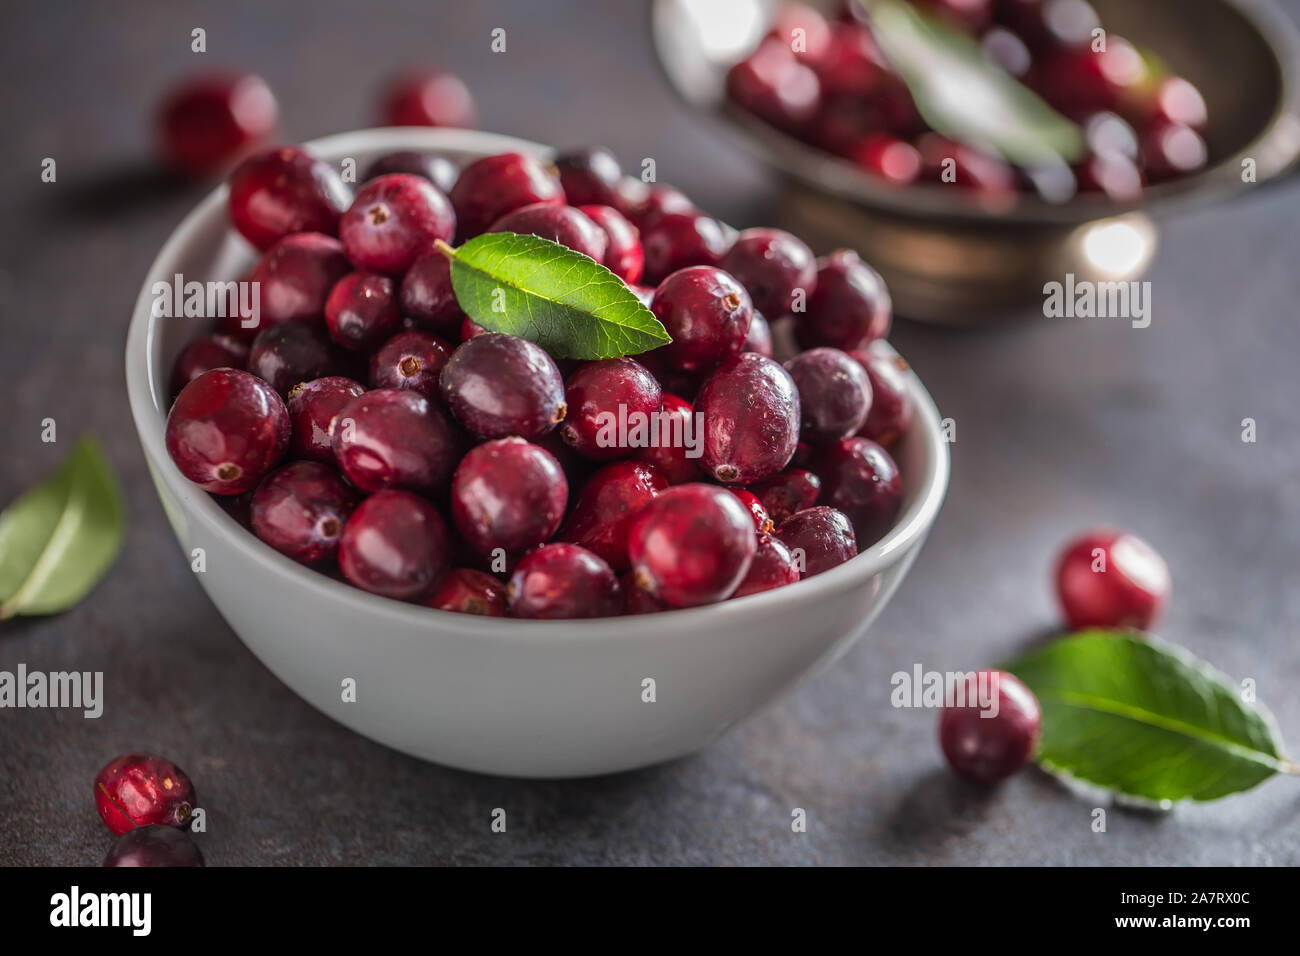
517 698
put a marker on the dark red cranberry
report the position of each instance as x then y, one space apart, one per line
759 338
1171 150
803 29
623 254
508 494
773 266
313 409
889 158
154 845
467 591
609 402
285 355
295 276
679 240
691 545
1082 81
895 108
590 177
670 457
394 220
410 360
636 599
750 410
395 544
852 65
427 294
563 224
793 490
362 311
239 320
849 305
891 405
394 439
819 539
209 121
834 394
775 86
439 170
204 354
282 191
860 479
429 98
470 329
1108 132
1111 579
137 790
499 385
300 509
773 567
945 161
1007 50
1112 174
972 16
842 123
561 581
226 430
495 185
986 741
645 205
610 498
708 314
762 522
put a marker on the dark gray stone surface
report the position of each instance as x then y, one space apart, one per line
1061 424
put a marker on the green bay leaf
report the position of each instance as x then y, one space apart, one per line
564 301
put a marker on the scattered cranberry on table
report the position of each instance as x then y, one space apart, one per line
209 121
139 789
429 98
984 747
1111 579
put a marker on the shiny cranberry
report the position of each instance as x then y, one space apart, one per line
608 401
623 253
849 305
285 355
679 240
803 29
495 185
1111 579
467 591
644 205
209 121
499 385
1083 81
691 545
756 509
636 599
432 98
1171 150
410 360
610 498
773 266
427 294
394 220
282 191
986 741
508 494
834 394
300 509
1112 174
852 65
793 490
971 15
670 456
137 790
470 329
295 276
562 581
775 86
395 544
154 845
204 354
750 410
313 409
226 430
394 439
819 539
1007 50
891 405
590 177
707 312
362 311
773 567
439 170
1108 132
861 479
889 158
563 224
759 338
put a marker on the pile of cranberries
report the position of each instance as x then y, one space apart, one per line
828 84
147 801
369 425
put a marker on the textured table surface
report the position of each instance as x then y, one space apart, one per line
1060 424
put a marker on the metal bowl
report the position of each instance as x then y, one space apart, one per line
948 259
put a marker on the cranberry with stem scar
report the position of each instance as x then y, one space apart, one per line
285 355
203 355
819 538
750 409
388 438
499 385
362 311
469 591
294 277
282 191
756 509
395 544
490 187
610 498
773 567
313 409
138 789
707 313
834 394
669 451
1111 579
226 430
562 581
300 510
394 220
154 845
860 479
410 360
603 396
984 746
508 494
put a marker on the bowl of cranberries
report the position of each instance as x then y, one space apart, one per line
463 547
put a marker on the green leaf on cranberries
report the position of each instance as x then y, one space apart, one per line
60 537
542 291
1146 719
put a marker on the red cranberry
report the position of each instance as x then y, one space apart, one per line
295 276
986 745
433 98
679 240
892 103
563 224
237 313
623 254
395 544
750 410
762 523
645 205
362 311
1171 150
889 158
285 355
860 479
691 545
226 430
1049 24
707 313
495 185
971 15
394 220
814 35
1111 579
773 567
790 491
636 599
590 177
410 360
891 405
300 509
204 354
759 338
499 385
1007 50
562 581
1113 174
607 402
834 394
852 65
775 86
387 438
819 538
154 845
467 591
313 409
439 170
773 266
849 305
427 294
137 790
670 458
1083 80
508 494
1177 101
609 499
284 190
209 121
992 179
470 329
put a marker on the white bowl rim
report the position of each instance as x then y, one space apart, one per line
149 411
